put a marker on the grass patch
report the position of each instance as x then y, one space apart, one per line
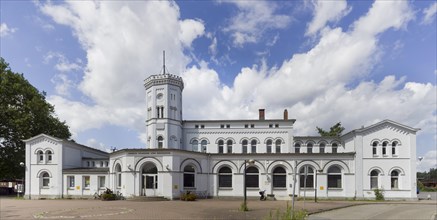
243 207
288 214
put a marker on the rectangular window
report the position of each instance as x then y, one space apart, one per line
334 181
202 126
309 182
322 150
102 182
94 164
374 182
86 182
393 150
188 180
228 126
196 126
384 151
222 126
70 181
334 150
225 180
252 125
374 151
270 125
310 150
297 150
279 181
252 180
246 126
88 164
119 180
276 125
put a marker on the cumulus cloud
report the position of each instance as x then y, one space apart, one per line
429 13
253 19
324 12
5 30
123 42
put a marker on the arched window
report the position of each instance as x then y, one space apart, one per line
297 148
49 156
189 176
310 148
384 148
278 146
394 179
252 177
40 155
253 146
245 146
393 148
220 146
203 145
279 177
322 147
229 146
160 142
225 177
269 146
309 171
334 177
195 145
118 175
375 148
45 179
374 179
334 148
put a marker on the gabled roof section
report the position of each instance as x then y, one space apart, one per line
381 123
62 141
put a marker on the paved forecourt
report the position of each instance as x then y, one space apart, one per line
201 209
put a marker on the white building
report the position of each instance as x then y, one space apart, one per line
208 156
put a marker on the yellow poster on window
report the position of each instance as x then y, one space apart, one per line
322 188
77 187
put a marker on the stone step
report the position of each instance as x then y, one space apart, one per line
147 198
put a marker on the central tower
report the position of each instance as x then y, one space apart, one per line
164 110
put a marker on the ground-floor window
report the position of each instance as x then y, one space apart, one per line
102 181
70 181
374 179
394 179
334 177
279 178
225 177
309 172
86 182
252 177
45 179
189 176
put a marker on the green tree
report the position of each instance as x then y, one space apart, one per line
24 113
334 131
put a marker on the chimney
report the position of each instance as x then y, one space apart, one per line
262 114
285 114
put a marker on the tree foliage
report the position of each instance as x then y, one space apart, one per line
334 131
24 113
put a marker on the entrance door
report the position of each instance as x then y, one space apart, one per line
151 184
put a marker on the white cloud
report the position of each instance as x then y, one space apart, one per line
429 13
190 30
5 30
429 160
97 145
253 19
324 12
123 42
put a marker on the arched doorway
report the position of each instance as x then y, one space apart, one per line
149 180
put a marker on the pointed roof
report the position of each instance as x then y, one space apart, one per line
383 122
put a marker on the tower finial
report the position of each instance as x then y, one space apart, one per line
163 61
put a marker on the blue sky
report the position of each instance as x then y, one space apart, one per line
357 62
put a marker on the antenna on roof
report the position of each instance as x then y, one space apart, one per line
163 61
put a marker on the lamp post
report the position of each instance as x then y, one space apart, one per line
22 180
250 161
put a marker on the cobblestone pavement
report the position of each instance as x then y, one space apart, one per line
11 208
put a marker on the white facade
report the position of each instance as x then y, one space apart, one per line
208 157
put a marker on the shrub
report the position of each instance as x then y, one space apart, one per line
379 194
108 195
188 196
243 207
